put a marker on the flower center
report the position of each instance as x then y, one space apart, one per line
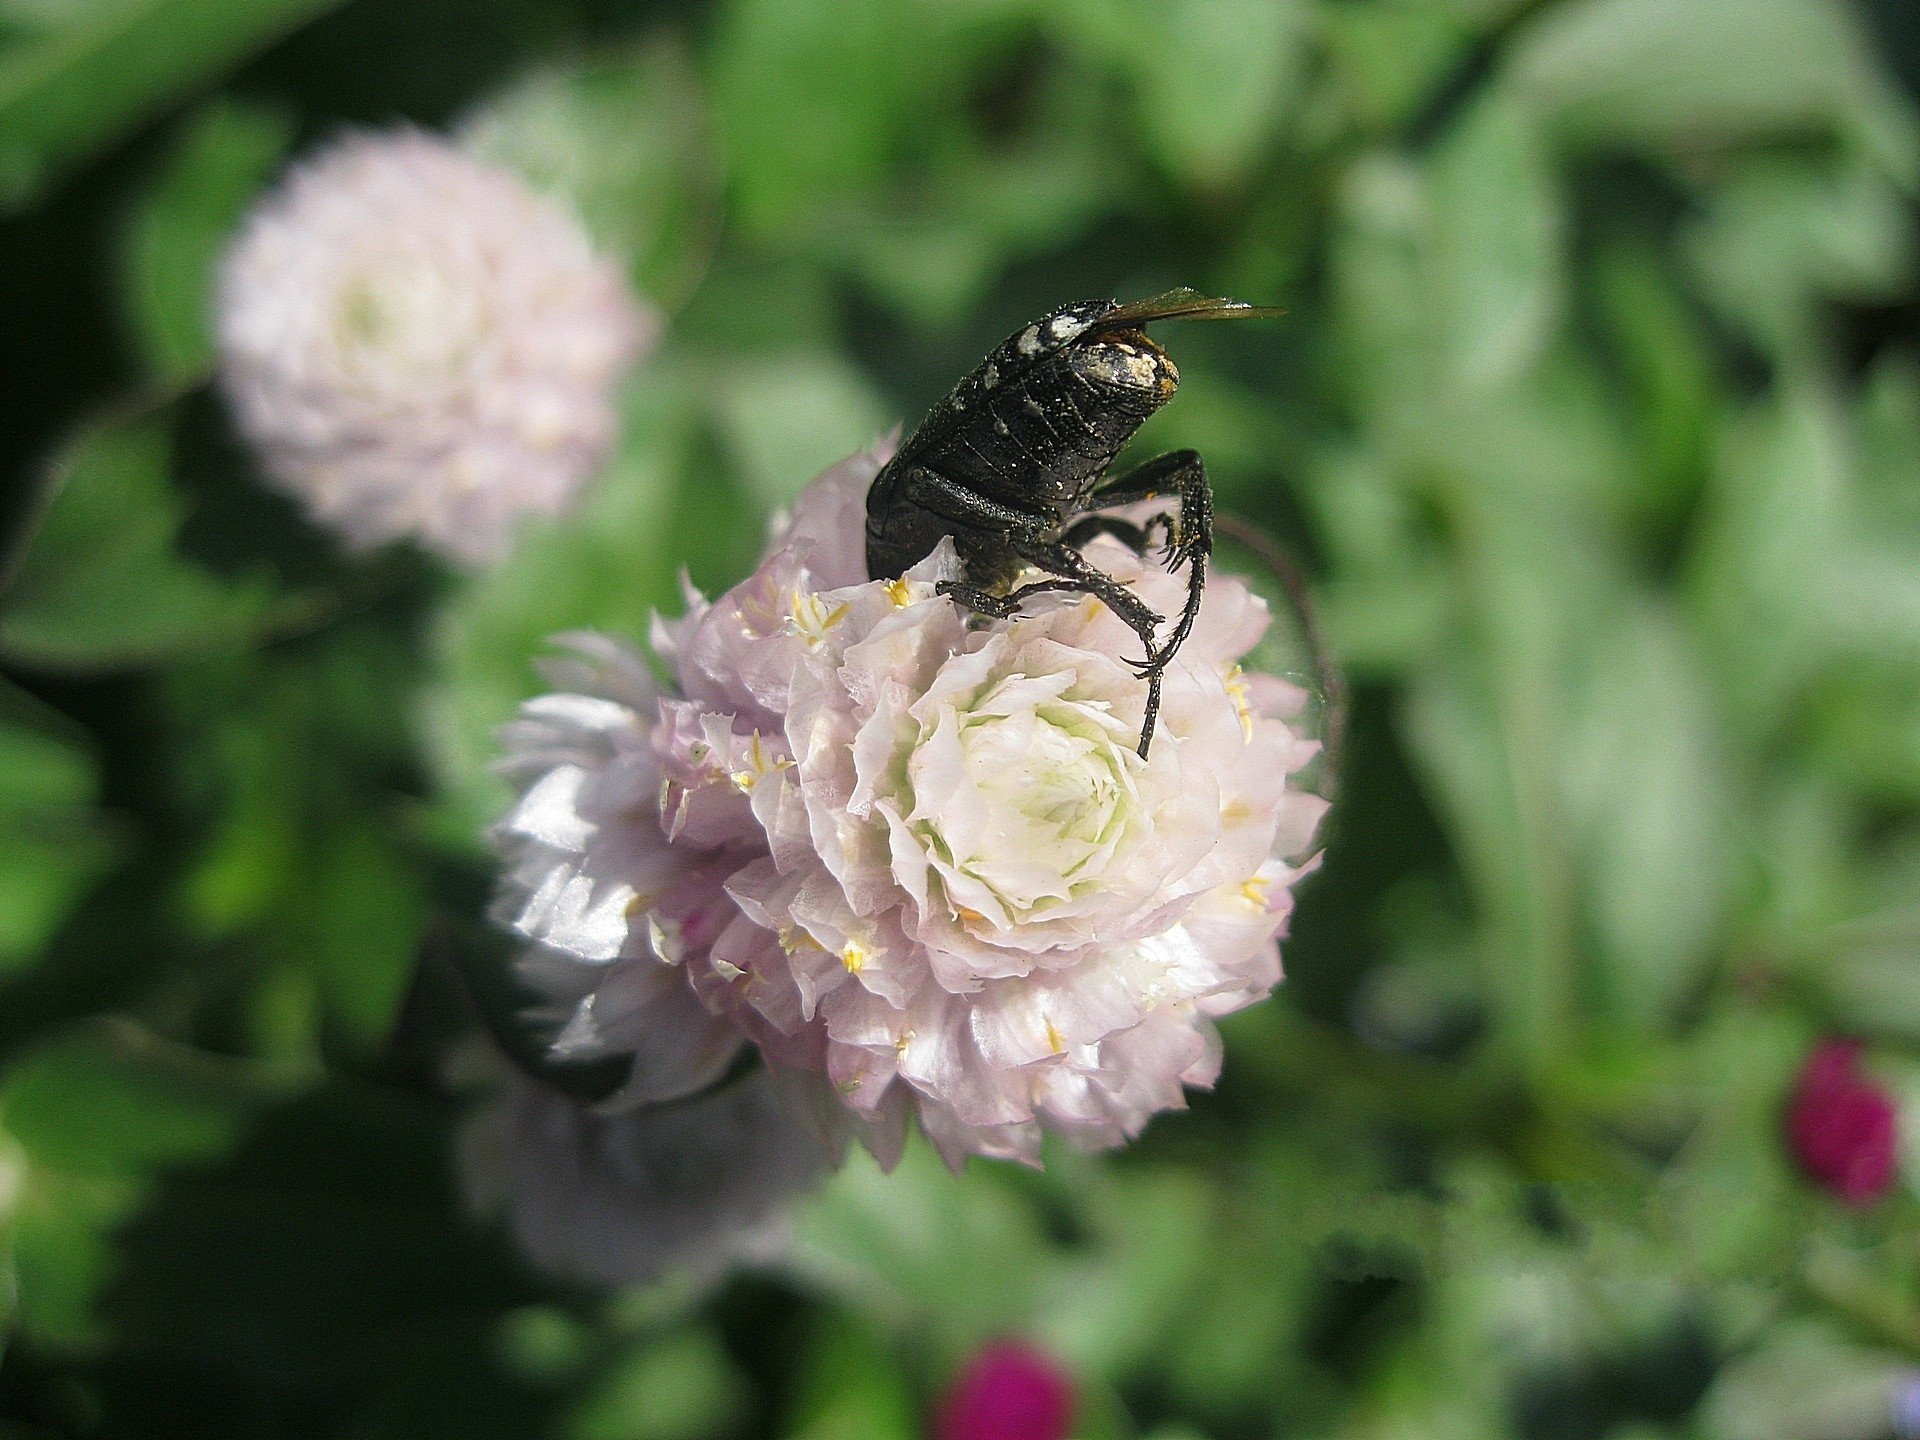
1041 797
401 322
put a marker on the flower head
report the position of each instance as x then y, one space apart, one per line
420 346
1842 1125
619 1198
915 860
1903 1401
1008 1391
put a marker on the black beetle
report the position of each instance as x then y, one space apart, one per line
1013 464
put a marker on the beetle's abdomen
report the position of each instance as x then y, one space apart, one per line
1127 364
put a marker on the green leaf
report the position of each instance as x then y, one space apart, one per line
91 1122
1674 390
1485 718
1677 77
1449 278
367 908
1148 1241
785 418
622 137
1780 240
100 584
681 1387
1389 57
53 843
958 1259
818 105
931 250
1647 793
1211 79
1496 240
1494 786
191 210
851 1388
94 72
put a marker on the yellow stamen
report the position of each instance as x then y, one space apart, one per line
811 617
640 902
1236 683
1055 1040
793 940
745 780
900 592
854 956
1254 891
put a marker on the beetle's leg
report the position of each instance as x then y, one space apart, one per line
1137 538
1182 473
1073 571
1178 472
952 501
1076 572
1032 541
981 602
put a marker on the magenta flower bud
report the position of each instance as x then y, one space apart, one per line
1008 1391
1842 1126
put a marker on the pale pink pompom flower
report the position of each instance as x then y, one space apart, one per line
629 1195
914 858
419 346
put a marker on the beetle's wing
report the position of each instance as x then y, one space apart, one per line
1183 303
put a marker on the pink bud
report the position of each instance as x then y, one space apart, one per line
1842 1126
1008 1391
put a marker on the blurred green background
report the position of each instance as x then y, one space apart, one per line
1595 419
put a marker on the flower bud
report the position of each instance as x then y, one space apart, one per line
1842 1126
1008 1391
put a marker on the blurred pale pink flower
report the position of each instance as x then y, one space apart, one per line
620 1198
419 346
1904 1402
1842 1125
1008 1391
913 859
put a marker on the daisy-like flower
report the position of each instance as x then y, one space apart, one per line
911 857
417 345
